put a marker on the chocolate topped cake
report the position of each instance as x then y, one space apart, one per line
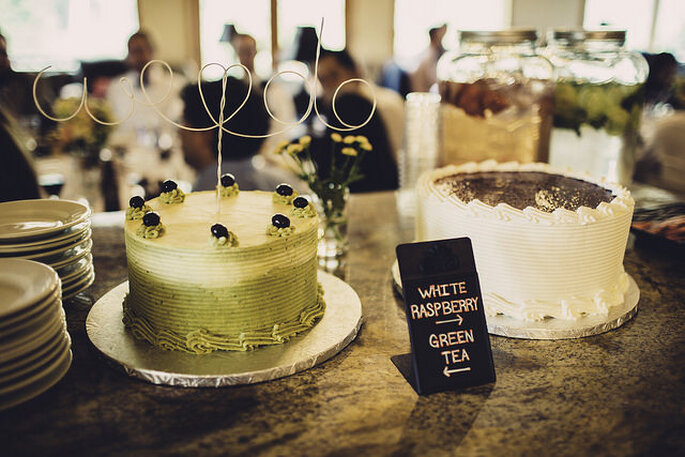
547 243
543 191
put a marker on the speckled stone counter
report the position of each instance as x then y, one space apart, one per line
617 394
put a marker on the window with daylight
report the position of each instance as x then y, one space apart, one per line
669 29
295 13
414 19
71 31
633 16
252 18
651 25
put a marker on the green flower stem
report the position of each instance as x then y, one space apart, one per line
333 154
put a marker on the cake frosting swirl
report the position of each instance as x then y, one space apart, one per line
559 254
186 294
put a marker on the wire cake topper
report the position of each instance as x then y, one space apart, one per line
219 124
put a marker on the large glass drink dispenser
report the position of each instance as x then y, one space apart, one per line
598 102
497 98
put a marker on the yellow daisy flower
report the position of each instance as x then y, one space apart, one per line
305 140
349 152
281 147
349 139
294 149
366 146
361 139
336 137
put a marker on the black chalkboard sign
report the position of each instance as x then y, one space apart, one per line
447 327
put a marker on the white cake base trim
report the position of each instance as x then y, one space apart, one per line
556 329
338 327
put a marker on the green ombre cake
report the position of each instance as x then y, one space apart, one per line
192 289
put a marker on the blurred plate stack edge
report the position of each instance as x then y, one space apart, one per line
35 348
54 232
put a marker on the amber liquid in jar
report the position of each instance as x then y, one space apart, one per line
497 100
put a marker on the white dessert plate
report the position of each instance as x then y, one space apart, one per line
57 253
27 340
33 219
557 329
37 384
78 281
68 259
78 289
54 238
36 365
73 237
31 311
338 327
57 327
24 283
85 272
28 326
40 353
75 270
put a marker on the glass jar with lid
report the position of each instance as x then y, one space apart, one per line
497 98
598 101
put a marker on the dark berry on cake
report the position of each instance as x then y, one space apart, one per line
280 221
300 202
227 180
284 190
219 231
136 202
151 219
169 185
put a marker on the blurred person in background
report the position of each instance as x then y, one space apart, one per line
17 176
423 78
353 104
238 153
660 84
145 125
16 89
147 145
280 101
16 98
662 161
303 50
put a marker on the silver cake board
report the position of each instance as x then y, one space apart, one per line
338 327
556 329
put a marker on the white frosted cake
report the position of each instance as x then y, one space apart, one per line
547 244
198 287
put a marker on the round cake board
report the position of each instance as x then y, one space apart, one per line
338 327
557 329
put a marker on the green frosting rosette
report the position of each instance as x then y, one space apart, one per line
283 199
134 214
224 242
271 230
175 196
229 191
307 211
150 233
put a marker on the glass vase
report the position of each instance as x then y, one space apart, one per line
332 210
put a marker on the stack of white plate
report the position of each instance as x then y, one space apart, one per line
35 348
53 232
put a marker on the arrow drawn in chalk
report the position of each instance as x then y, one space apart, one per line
448 373
458 319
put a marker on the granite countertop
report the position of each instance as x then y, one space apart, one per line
621 393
